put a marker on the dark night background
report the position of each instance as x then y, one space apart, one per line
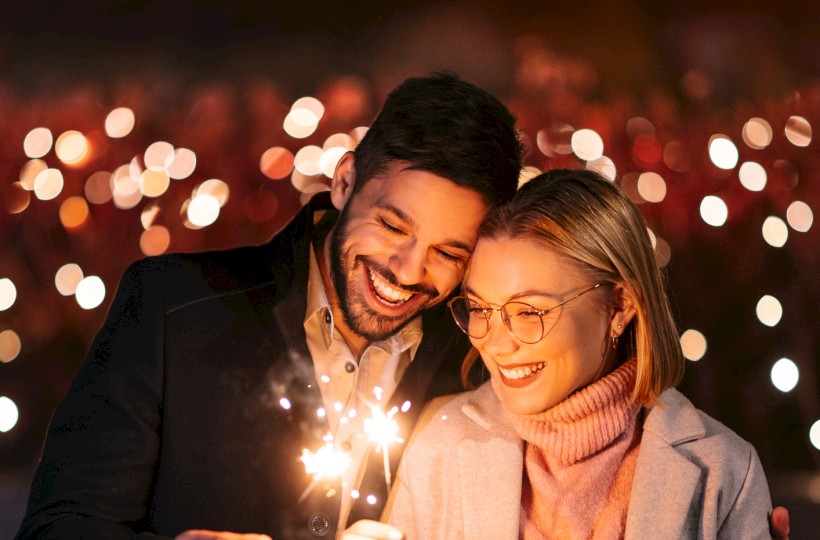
219 78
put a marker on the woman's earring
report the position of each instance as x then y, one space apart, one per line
615 337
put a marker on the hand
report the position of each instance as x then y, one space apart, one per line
779 523
366 529
216 535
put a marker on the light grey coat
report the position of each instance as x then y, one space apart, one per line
462 471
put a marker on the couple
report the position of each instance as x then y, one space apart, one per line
213 371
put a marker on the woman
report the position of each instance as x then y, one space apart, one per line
580 433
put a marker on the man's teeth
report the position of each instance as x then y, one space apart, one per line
386 293
521 372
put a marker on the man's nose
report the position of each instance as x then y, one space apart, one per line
409 263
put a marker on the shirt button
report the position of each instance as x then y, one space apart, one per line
319 524
350 367
327 317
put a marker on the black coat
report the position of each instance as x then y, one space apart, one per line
175 420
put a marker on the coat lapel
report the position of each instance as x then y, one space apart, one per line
665 499
490 469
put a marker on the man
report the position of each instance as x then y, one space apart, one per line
214 371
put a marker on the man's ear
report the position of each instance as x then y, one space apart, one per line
624 310
341 185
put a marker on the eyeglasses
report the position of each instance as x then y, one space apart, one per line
525 323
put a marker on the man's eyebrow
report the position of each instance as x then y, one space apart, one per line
403 216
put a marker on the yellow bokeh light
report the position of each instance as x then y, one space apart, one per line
587 144
775 231
652 187
16 198
148 215
67 278
98 187
757 133
90 292
276 163
154 181
8 414
723 152
714 211
184 164
119 122
798 131
769 310
29 172
74 212
799 216
215 188
693 344
203 210
72 147
155 240
10 345
8 294
48 184
38 142
306 160
785 375
752 176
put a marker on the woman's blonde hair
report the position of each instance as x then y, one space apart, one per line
583 216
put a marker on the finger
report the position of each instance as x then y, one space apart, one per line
779 523
369 530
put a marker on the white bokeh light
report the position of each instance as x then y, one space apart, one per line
67 278
587 144
799 216
785 375
8 294
723 152
90 292
814 434
775 231
752 176
769 310
203 210
714 211
8 414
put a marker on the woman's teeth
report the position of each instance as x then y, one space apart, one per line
521 372
387 294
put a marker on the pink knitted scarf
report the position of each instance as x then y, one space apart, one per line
579 461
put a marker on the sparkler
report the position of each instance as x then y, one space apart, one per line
383 430
326 462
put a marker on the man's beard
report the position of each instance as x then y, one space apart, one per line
358 315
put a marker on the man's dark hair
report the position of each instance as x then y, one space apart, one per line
449 127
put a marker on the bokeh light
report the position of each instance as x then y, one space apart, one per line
148 215
154 181
714 211
67 278
74 212
71 147
29 172
723 152
798 131
799 216
330 158
8 414
203 210
216 188
90 292
125 189
159 155
303 118
183 164
693 344
526 174
38 142
276 163
603 166
775 231
677 157
814 434
757 133
306 160
587 144
769 310
48 184
785 375
310 104
10 345
652 187
119 122
15 198
8 294
752 176
647 149
638 125
155 240
98 188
